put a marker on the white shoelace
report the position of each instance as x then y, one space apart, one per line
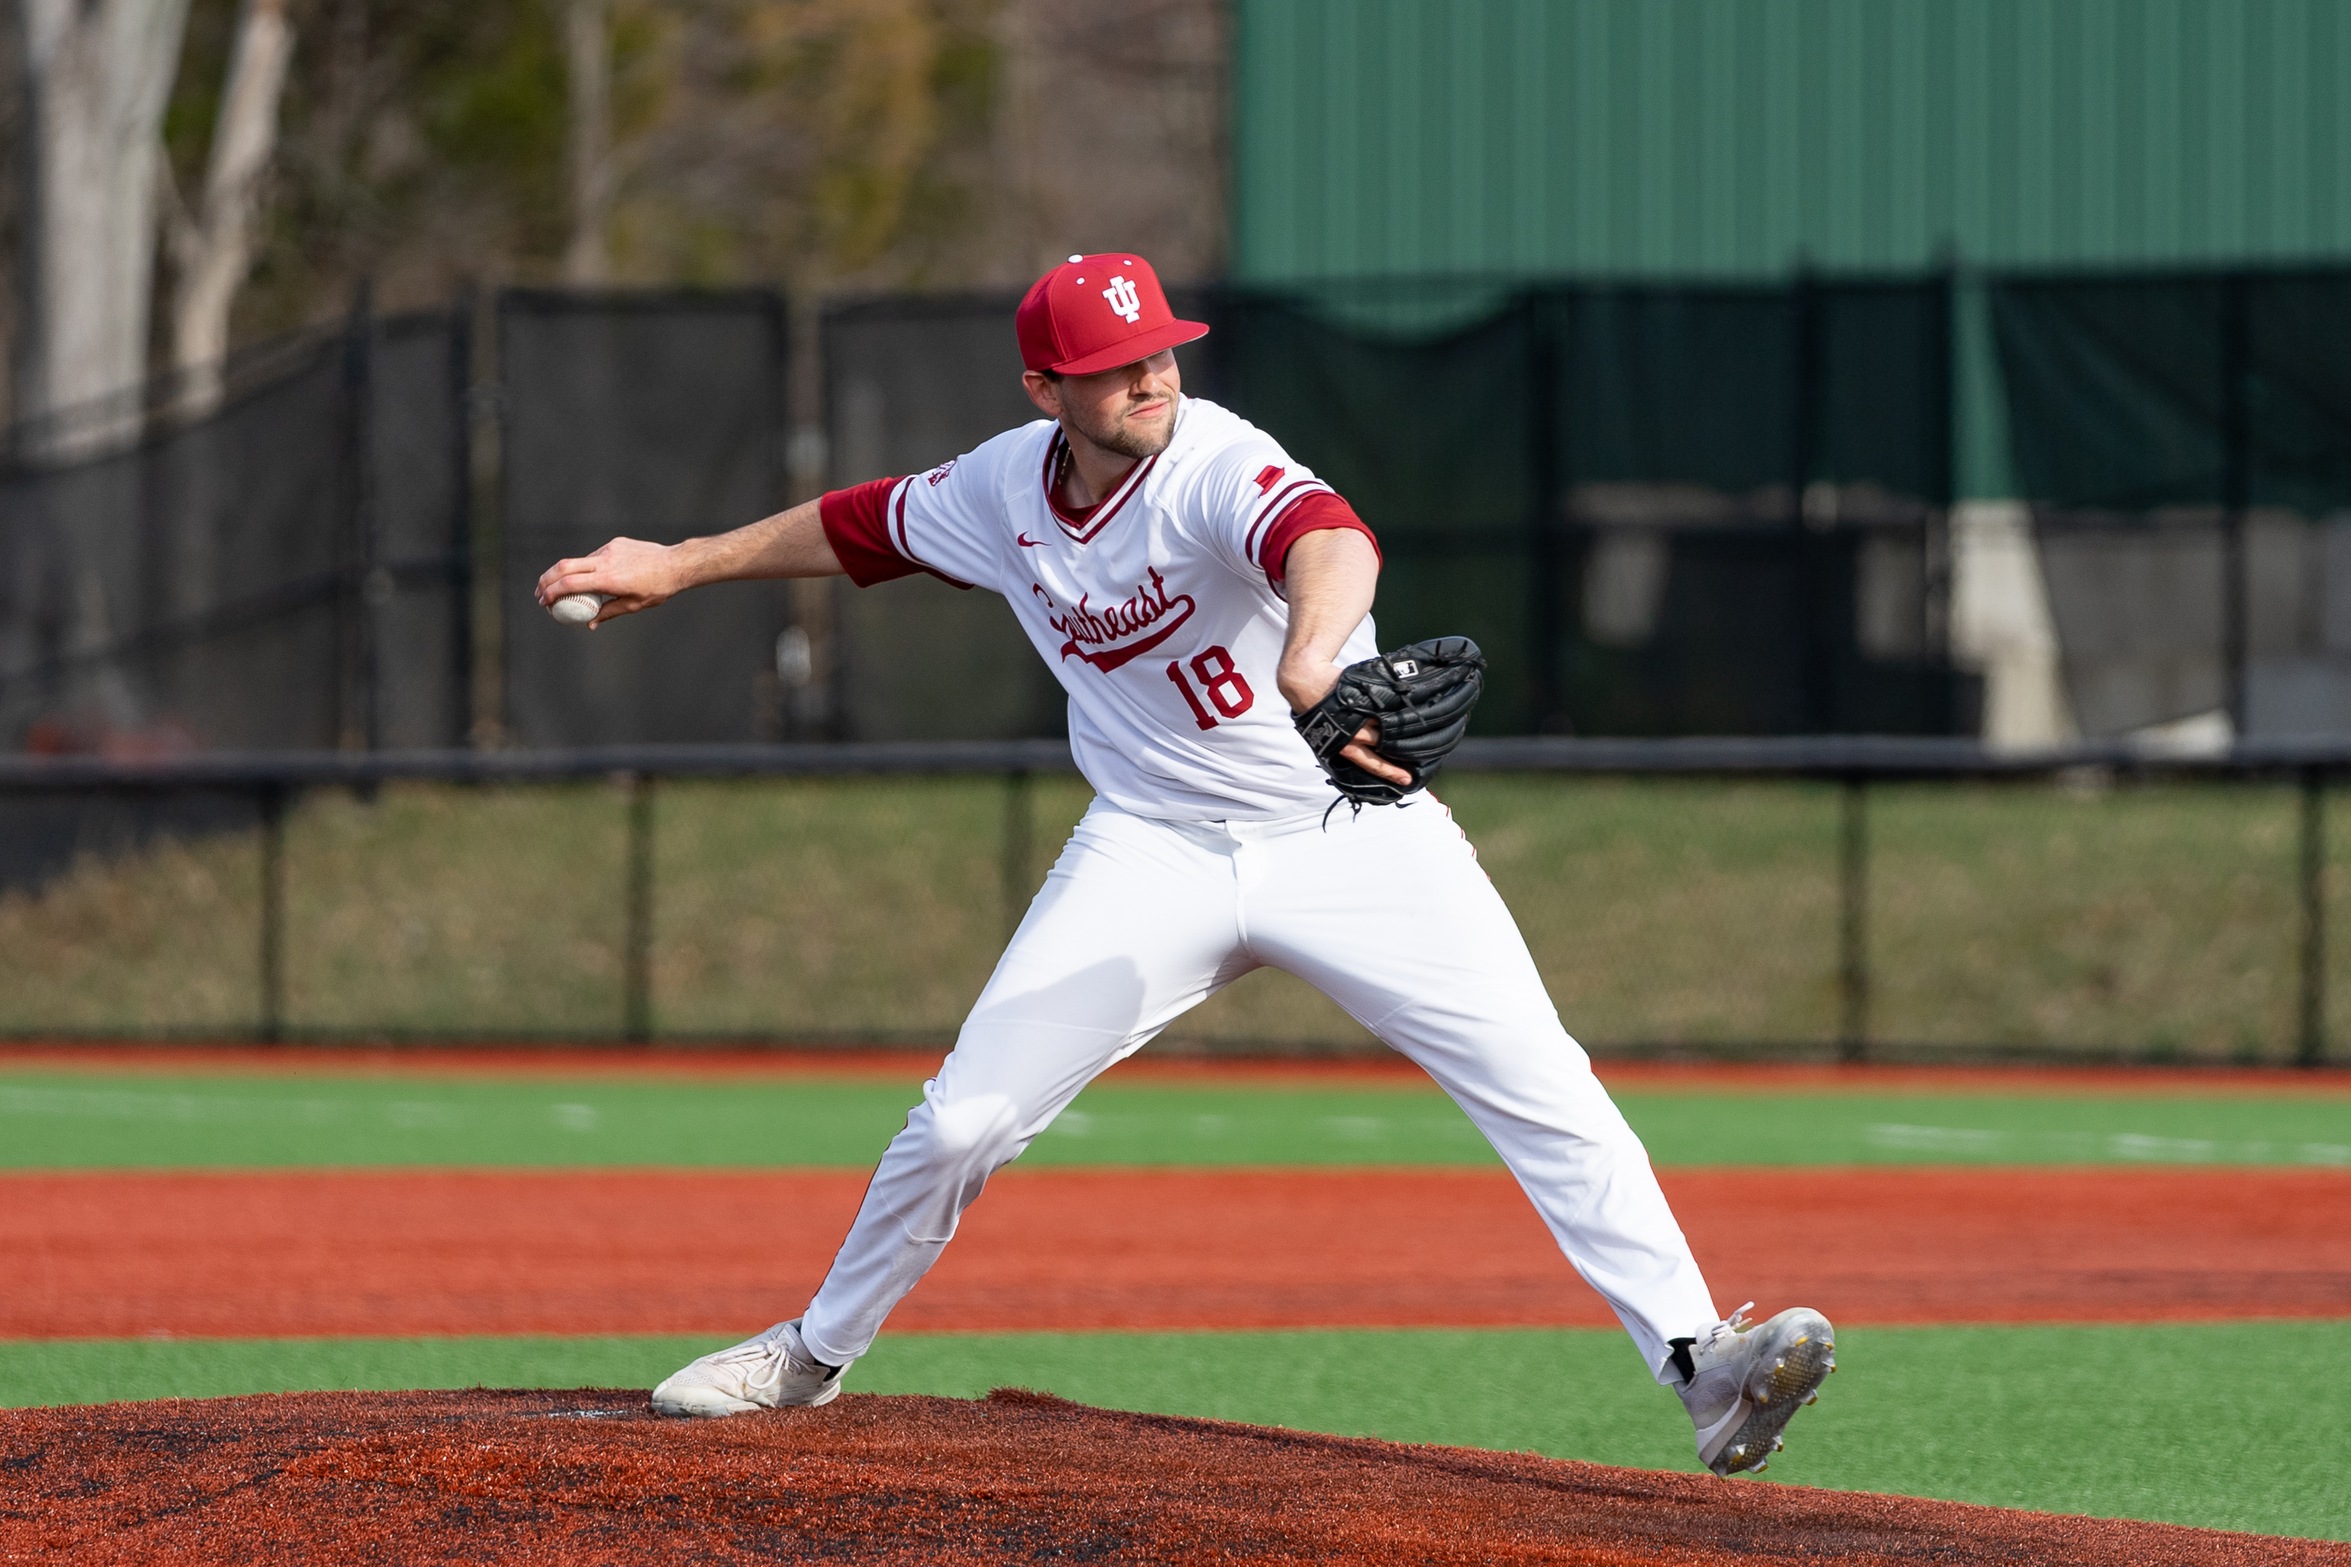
1731 1324
768 1356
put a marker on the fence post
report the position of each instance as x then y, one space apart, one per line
1853 919
366 587
637 937
2236 492
1546 623
1018 832
271 801
1814 535
2311 1049
460 577
1941 404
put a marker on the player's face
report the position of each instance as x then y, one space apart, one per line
1130 410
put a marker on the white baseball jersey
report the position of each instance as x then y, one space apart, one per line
1211 853
1159 609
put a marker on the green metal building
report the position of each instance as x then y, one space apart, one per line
1743 139
1718 138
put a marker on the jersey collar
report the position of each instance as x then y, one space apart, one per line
1082 526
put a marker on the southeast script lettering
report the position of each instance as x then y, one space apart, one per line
1110 636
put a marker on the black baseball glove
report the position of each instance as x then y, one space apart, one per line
1419 695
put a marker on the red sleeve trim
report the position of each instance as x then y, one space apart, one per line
1315 512
857 525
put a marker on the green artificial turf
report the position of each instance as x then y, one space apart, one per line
97 1120
2217 1424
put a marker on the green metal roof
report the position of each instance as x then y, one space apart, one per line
1728 137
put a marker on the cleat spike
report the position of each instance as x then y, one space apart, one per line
1811 1398
1756 1377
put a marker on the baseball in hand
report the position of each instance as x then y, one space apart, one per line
577 609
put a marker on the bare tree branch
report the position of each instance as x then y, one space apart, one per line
587 50
98 74
213 251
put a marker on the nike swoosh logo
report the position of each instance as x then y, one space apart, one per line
1027 543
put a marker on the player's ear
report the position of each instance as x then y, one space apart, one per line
1044 390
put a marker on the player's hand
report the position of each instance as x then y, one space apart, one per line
1363 756
1303 687
630 573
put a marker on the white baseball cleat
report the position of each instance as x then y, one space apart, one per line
767 1372
1748 1382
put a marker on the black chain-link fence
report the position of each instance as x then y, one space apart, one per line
1919 898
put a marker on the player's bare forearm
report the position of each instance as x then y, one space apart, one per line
633 574
1329 578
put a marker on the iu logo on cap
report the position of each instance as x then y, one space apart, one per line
1064 330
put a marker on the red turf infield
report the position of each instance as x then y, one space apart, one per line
303 1253
592 1476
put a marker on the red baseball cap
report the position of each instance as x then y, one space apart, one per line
1097 313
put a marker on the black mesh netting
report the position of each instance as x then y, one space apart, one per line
657 416
2186 444
908 384
283 573
1599 484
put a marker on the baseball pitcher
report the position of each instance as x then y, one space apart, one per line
1205 600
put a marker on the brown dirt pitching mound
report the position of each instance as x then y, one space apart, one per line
593 1476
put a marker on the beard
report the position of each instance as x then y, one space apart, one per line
1130 440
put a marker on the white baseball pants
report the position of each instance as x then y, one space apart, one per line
1388 914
